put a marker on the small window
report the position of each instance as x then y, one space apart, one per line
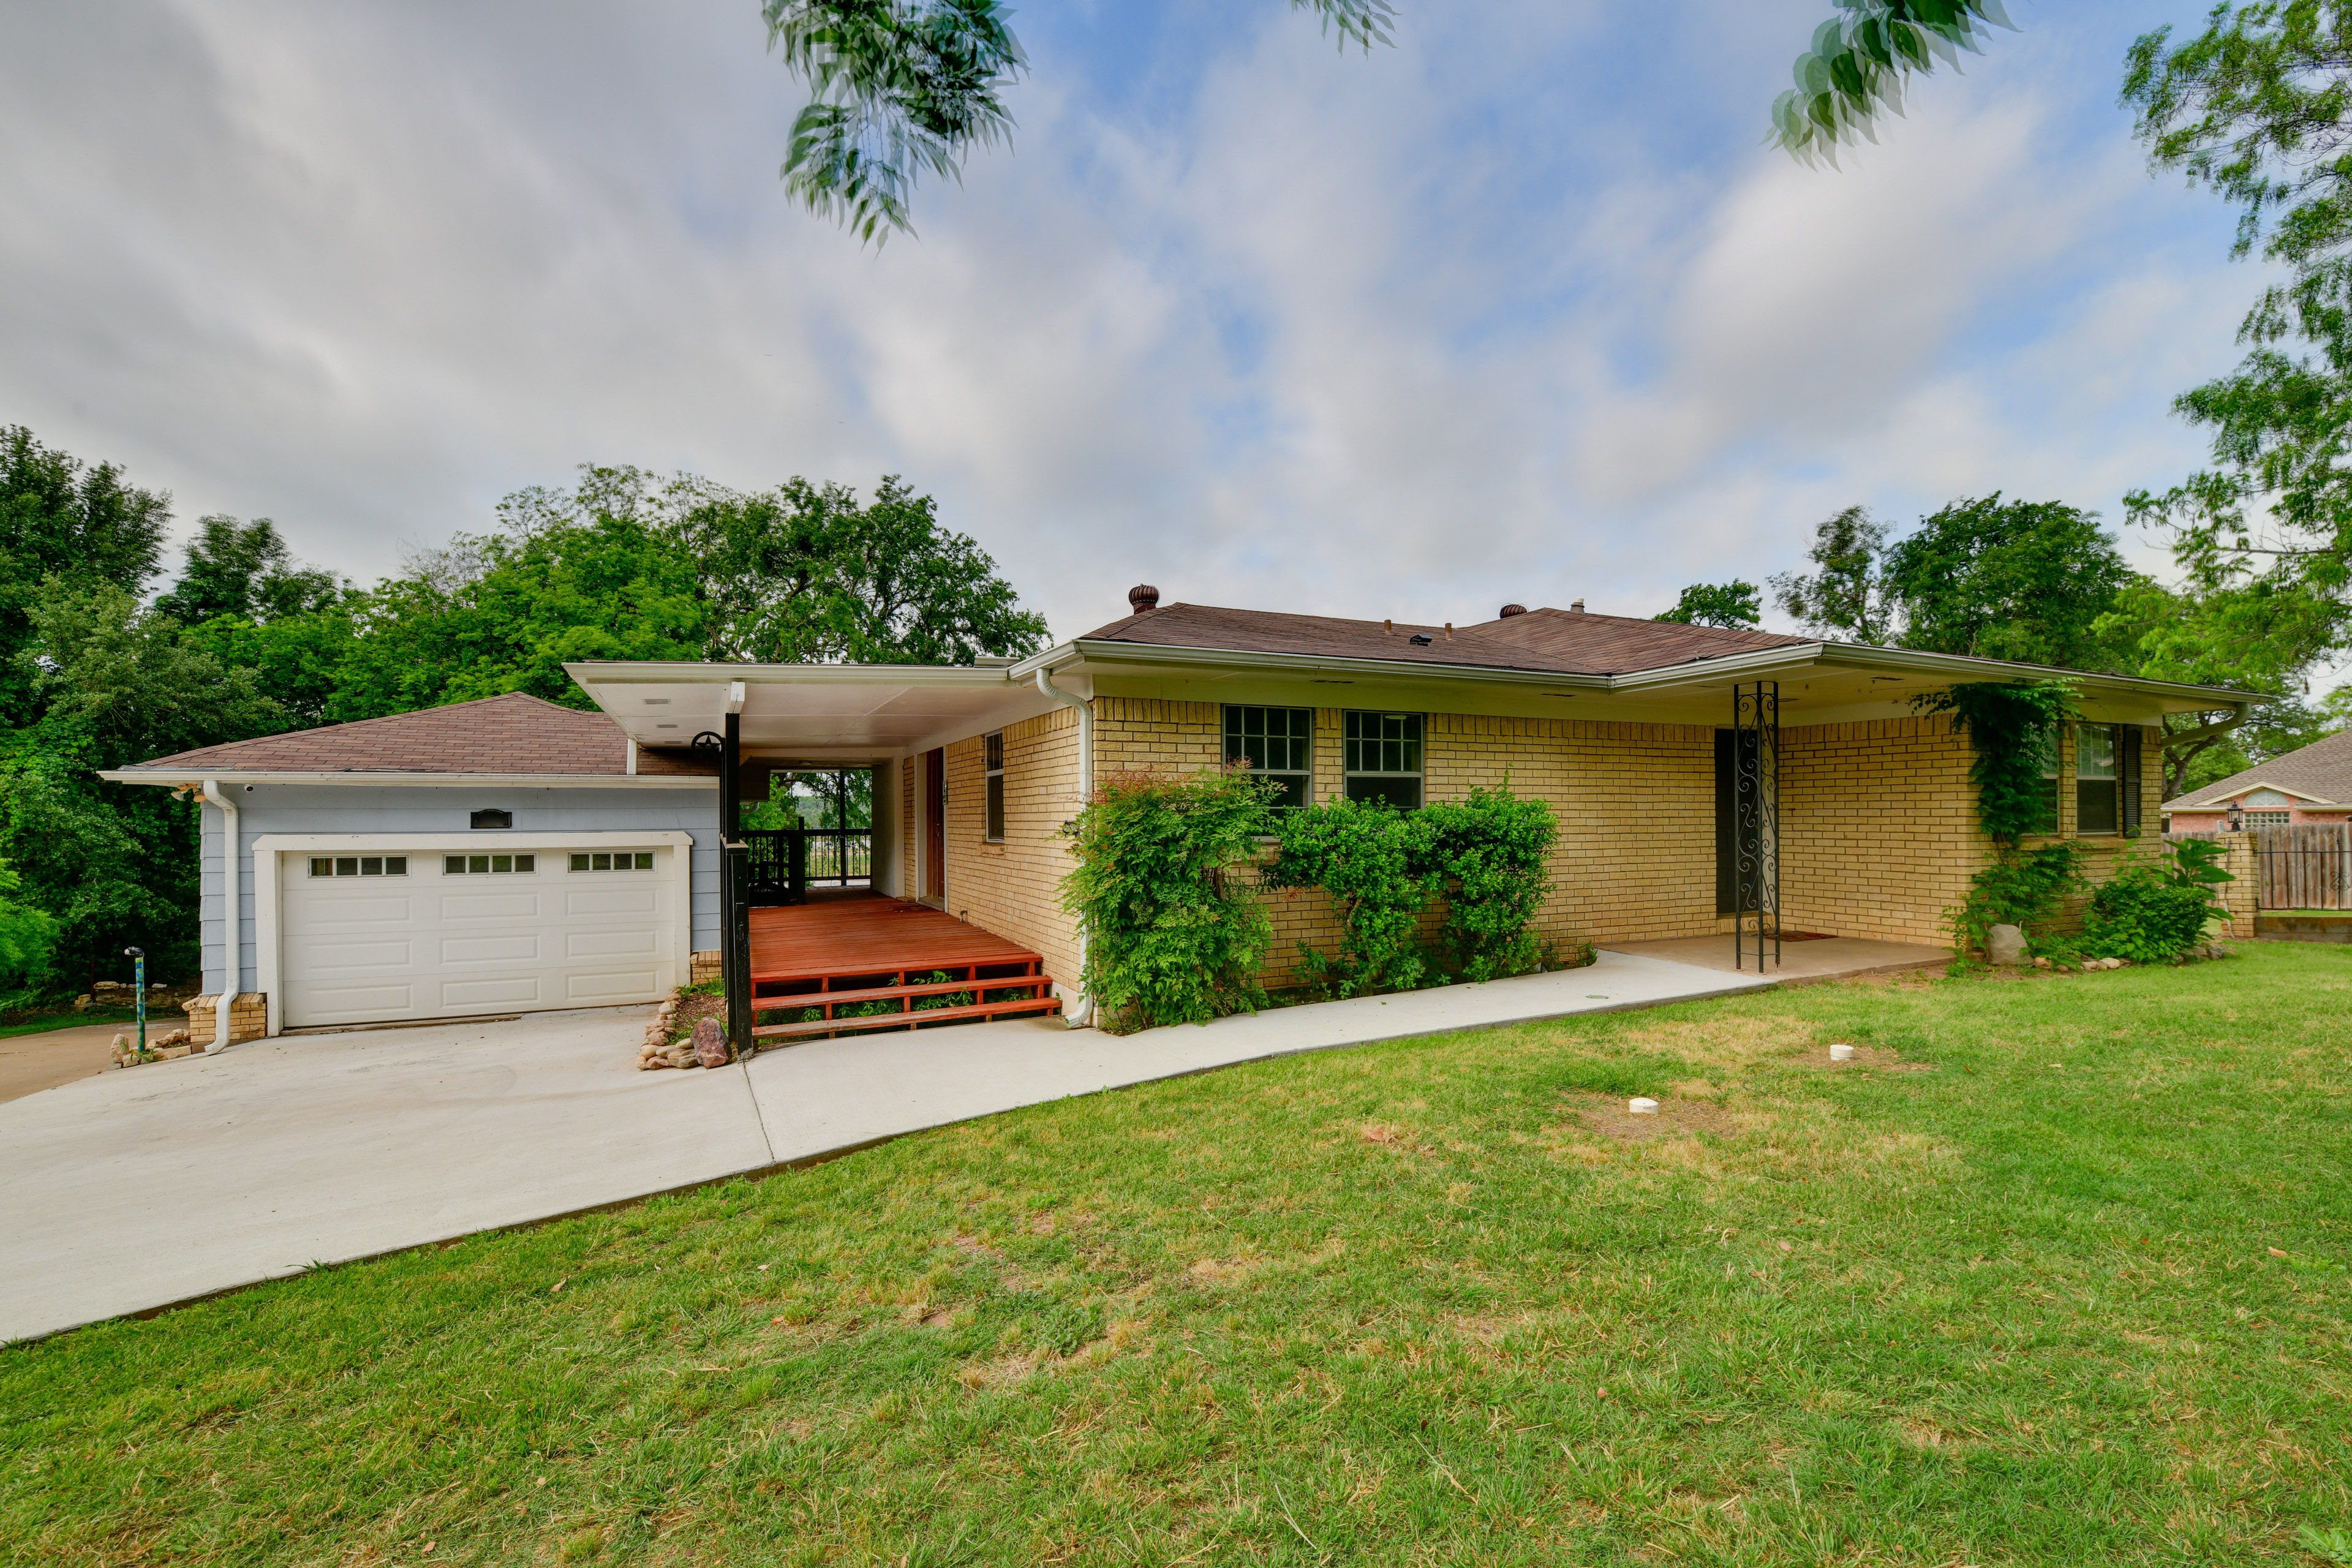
1277 744
617 860
2095 798
992 765
359 866
493 818
488 865
1384 758
2269 818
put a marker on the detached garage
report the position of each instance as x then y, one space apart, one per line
489 857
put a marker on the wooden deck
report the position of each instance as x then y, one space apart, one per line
895 962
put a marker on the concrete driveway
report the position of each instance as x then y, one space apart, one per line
141 1188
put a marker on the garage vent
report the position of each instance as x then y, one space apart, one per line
493 818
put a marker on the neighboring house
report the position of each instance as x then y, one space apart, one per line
1625 726
2299 788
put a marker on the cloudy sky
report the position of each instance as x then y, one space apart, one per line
1519 308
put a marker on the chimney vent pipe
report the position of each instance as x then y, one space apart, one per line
1577 608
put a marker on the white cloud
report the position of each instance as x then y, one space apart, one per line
1497 314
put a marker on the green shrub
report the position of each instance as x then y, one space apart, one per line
1491 852
1377 863
1161 890
1484 856
2154 910
2022 889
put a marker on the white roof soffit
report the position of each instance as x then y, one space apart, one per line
178 777
813 710
1901 668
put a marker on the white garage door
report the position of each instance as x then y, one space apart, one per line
371 938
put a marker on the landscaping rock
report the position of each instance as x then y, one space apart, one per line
2005 944
2041 964
710 1043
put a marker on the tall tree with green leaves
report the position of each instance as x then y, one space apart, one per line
245 569
1860 60
1845 595
2026 581
63 518
1732 604
805 572
901 88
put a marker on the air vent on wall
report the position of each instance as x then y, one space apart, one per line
493 817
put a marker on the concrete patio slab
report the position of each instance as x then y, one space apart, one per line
836 1094
135 1190
1819 958
139 1188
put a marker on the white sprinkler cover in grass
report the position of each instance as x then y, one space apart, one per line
1642 1107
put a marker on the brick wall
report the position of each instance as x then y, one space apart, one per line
248 1017
1014 888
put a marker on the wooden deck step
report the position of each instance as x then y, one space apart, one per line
889 992
973 1013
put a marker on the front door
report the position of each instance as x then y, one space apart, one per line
935 825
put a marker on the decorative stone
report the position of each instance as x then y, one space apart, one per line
2005 944
710 1043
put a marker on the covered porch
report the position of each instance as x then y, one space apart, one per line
854 960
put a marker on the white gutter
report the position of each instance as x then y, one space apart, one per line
232 968
1085 1014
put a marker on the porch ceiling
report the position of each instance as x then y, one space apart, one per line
813 712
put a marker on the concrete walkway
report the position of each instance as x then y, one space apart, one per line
137 1189
1814 958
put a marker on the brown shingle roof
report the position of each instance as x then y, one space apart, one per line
1561 642
2321 771
512 733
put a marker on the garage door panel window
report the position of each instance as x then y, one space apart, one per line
488 865
359 864
619 860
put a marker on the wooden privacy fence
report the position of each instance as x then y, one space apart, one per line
2305 868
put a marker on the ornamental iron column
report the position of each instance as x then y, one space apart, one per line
1756 781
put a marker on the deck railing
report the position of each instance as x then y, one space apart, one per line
790 860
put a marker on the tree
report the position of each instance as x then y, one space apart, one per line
60 519
803 573
902 87
2254 108
2025 581
1855 69
243 569
1732 604
1846 596
606 587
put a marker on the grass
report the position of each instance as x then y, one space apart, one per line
2078 1295
95 1015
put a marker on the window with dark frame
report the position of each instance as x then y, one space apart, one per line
2097 799
488 865
1277 744
359 864
618 861
1381 756
993 769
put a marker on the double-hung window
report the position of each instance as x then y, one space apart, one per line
1277 744
2097 799
992 767
1382 757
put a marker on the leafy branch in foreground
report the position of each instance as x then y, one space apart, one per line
1860 58
902 88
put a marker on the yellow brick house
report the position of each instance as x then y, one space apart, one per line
1704 779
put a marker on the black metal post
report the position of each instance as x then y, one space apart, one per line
734 893
1756 774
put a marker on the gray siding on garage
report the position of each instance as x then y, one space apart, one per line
445 808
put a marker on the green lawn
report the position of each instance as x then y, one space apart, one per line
2077 1294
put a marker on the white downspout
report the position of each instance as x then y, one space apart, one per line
233 965
1085 1015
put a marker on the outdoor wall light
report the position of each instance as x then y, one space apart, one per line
2237 816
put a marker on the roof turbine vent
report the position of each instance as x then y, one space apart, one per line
1141 597
1576 608
1510 610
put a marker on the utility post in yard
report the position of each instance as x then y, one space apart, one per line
138 957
